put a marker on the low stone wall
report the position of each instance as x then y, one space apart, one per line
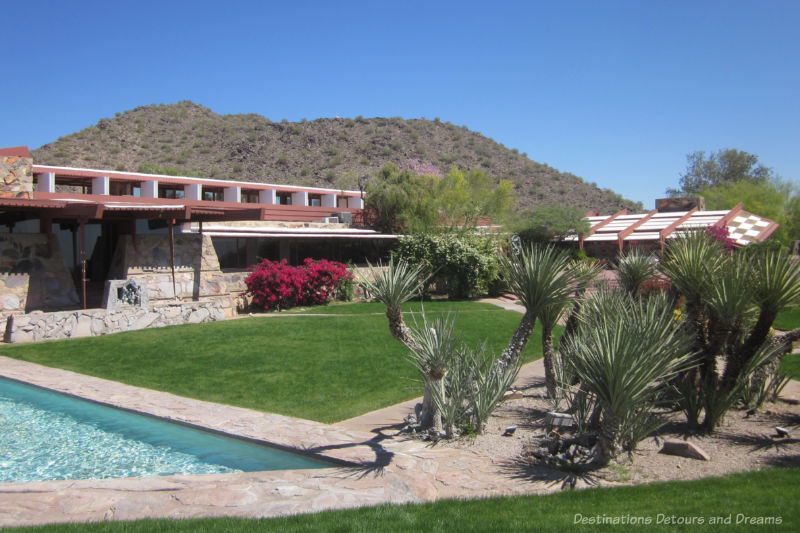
39 326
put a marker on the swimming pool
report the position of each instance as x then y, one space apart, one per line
46 435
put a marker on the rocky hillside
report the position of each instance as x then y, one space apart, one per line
191 140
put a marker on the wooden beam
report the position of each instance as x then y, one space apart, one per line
172 255
627 231
664 233
82 223
729 216
766 232
602 223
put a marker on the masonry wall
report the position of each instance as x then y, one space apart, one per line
16 177
146 260
33 275
39 326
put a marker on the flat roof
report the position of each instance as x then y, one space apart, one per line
72 172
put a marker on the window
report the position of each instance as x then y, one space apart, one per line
250 197
213 196
170 192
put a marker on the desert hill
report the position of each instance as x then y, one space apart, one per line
189 139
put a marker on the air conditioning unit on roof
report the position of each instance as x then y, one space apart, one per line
345 217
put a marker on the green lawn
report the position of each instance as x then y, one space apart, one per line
324 368
787 319
768 494
790 364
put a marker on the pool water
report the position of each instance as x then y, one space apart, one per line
45 435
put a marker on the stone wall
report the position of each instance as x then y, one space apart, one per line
33 275
16 177
39 326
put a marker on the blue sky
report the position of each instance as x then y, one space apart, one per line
615 92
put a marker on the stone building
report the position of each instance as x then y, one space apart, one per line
87 252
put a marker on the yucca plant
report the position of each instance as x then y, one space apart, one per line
434 348
776 286
634 268
624 353
731 302
394 285
472 389
540 276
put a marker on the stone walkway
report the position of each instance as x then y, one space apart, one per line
376 468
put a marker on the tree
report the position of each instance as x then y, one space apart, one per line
541 277
731 301
464 200
547 222
400 201
393 286
725 166
773 199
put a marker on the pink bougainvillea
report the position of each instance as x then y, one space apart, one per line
720 234
276 286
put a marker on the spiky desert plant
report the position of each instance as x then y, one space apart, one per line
434 348
776 286
625 351
691 261
633 269
541 278
731 302
394 285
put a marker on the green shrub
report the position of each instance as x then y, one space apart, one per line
463 266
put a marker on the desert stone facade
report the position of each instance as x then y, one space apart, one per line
16 177
145 259
33 275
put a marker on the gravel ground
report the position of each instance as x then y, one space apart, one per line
741 443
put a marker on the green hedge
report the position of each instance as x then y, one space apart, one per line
463 266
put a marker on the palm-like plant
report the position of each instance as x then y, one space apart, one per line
776 285
633 269
433 350
624 352
731 302
541 278
394 285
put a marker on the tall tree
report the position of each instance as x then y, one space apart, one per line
724 166
544 223
400 201
465 200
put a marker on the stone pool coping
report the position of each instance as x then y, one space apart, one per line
376 469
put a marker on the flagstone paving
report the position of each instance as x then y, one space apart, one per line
376 468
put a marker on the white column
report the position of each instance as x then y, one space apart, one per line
46 182
300 198
267 196
149 189
233 194
328 200
355 202
193 191
100 185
